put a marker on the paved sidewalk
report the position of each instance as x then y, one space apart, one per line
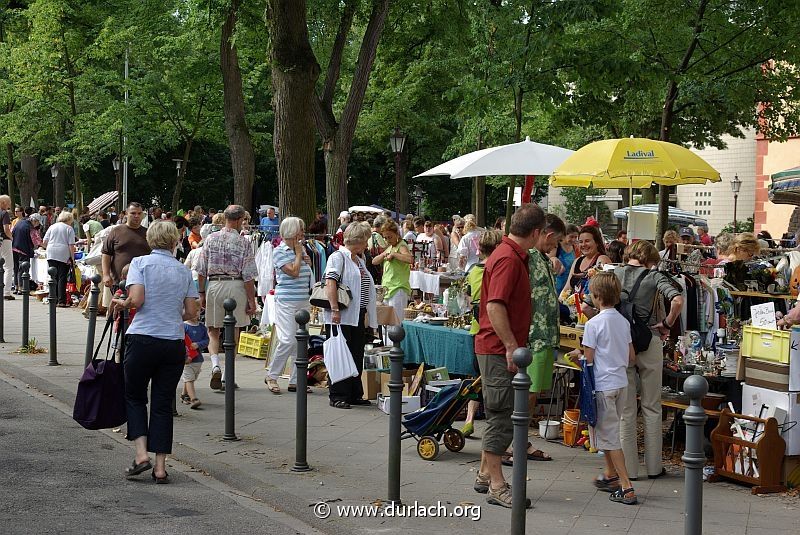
347 449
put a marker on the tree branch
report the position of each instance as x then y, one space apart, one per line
366 58
335 63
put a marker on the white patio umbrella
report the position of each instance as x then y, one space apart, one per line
523 158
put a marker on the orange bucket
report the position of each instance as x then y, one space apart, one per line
572 427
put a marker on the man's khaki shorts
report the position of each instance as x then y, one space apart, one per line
217 291
498 402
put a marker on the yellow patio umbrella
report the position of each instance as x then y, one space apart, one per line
632 163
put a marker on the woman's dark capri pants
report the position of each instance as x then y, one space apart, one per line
159 362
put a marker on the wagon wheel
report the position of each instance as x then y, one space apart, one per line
454 440
428 448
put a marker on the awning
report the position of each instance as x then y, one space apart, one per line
676 215
103 201
784 187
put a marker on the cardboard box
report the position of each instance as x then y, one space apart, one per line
436 374
371 382
408 377
410 404
766 374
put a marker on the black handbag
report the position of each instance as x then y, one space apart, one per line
100 401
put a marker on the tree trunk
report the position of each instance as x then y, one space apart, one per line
294 75
243 158
478 204
76 178
176 195
28 179
10 171
668 117
336 158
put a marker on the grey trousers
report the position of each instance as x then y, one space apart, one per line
648 369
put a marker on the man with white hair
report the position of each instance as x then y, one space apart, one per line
226 268
344 220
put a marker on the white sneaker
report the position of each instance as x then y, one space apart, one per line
216 378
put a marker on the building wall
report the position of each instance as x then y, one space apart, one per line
773 157
714 201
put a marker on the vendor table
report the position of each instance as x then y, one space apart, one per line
439 346
679 404
432 283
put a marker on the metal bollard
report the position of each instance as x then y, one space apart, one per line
91 310
396 334
52 300
25 277
230 383
124 317
302 318
2 298
696 387
521 419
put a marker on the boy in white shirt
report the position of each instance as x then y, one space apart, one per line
607 345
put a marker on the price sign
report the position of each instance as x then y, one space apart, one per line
764 316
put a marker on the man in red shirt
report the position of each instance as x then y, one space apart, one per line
504 319
705 239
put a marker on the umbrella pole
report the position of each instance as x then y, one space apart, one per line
510 203
630 211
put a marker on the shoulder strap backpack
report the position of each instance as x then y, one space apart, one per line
640 330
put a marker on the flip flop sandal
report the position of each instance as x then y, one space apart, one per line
272 385
539 455
136 469
340 404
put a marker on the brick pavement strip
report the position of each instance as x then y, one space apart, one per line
347 450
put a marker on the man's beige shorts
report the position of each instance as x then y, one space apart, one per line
217 291
605 434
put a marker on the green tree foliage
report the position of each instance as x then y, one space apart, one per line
746 225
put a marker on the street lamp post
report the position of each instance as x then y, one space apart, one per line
54 170
418 196
736 183
397 141
115 164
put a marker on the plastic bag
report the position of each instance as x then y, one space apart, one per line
337 357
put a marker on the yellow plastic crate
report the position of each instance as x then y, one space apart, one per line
254 345
766 344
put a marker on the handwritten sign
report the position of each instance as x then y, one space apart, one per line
764 316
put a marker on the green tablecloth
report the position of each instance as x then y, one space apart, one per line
439 347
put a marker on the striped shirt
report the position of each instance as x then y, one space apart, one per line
338 262
290 288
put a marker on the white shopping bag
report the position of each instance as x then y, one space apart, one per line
337 357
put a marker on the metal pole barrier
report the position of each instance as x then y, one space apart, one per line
230 383
124 316
26 295
302 318
696 387
396 334
2 293
52 299
91 310
521 419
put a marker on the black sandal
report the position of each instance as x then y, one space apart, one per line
160 480
136 469
339 404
